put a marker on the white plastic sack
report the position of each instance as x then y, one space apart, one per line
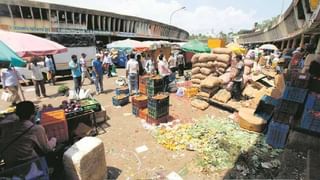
73 94
6 96
84 94
180 92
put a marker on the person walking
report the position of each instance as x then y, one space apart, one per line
37 77
149 67
141 69
237 81
181 64
108 61
10 81
97 73
164 72
76 72
172 63
132 71
85 72
51 70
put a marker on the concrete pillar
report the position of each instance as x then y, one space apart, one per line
294 43
302 41
289 43
318 47
282 45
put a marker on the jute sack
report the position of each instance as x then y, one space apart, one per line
210 82
195 70
204 94
201 65
222 69
199 76
196 85
248 62
205 57
195 81
225 58
205 71
199 104
221 65
195 58
221 51
222 96
225 78
211 64
247 70
210 91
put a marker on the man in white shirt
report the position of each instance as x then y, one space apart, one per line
164 72
84 70
149 67
132 70
108 60
172 63
37 77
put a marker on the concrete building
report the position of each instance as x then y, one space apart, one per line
43 18
300 24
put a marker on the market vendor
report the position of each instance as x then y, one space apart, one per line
132 72
237 81
25 141
164 72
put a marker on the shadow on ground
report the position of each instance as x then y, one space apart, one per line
113 173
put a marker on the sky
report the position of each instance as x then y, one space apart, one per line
200 16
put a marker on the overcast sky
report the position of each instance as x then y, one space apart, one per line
200 16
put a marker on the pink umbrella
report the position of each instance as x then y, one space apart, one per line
26 45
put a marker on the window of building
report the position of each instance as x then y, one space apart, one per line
26 12
112 24
15 11
83 18
4 10
69 18
62 17
36 13
101 22
107 24
76 18
44 13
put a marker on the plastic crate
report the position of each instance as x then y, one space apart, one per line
90 104
288 107
101 116
143 113
282 117
277 134
158 112
135 110
291 74
190 92
143 79
56 125
143 89
295 94
157 121
152 91
159 100
140 101
310 121
265 107
124 100
302 81
122 90
155 81
313 102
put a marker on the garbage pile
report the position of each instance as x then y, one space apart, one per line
221 145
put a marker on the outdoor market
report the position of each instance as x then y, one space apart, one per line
144 106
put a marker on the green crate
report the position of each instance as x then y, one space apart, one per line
90 104
158 112
154 82
152 91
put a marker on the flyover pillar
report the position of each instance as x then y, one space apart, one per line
294 43
282 45
302 41
289 43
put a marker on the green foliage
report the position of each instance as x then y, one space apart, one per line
63 89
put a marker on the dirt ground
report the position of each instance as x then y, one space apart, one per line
124 133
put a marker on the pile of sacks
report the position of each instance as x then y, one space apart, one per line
206 69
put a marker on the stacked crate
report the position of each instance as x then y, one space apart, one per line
311 115
122 90
277 134
139 103
158 109
154 86
143 84
122 96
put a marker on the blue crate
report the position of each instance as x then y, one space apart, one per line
313 102
120 102
135 110
295 94
265 107
122 91
310 122
277 134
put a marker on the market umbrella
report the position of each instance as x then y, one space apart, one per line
26 45
128 45
8 55
236 48
195 46
268 47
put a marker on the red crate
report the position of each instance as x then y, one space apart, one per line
55 124
157 121
143 113
140 101
143 89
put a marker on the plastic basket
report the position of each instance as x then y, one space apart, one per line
122 90
288 107
90 104
157 121
295 94
152 91
143 89
159 101
310 121
282 117
120 102
277 134
158 112
154 82
140 101
143 113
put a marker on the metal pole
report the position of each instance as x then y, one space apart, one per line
175 12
